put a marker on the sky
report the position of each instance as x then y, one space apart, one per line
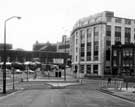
48 20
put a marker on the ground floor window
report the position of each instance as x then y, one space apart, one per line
82 69
95 69
88 69
107 71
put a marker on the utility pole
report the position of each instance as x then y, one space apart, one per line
65 61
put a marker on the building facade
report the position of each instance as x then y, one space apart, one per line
123 60
49 47
64 46
92 38
8 46
43 56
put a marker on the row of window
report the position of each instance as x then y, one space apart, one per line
108 34
88 69
128 52
118 29
124 63
118 33
82 57
119 20
89 33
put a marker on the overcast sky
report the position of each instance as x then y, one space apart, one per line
48 20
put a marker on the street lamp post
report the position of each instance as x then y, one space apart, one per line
65 62
5 54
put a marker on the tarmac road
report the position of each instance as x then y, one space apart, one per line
67 97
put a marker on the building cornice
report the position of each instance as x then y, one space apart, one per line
90 25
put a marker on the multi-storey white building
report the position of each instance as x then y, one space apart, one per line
91 40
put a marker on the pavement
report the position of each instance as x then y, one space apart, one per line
119 90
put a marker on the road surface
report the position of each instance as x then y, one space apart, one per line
72 96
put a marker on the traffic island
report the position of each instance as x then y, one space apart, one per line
61 85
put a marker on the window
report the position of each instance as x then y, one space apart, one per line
128 21
76 58
82 56
117 29
127 52
108 30
88 69
82 35
124 53
131 62
96 34
77 34
76 50
127 35
82 47
134 21
82 53
118 20
96 46
108 43
131 52
82 69
89 35
134 33
88 51
95 69
88 57
108 55
114 53
117 34
114 62
124 63
88 47
76 41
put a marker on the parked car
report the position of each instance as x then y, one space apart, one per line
18 71
29 71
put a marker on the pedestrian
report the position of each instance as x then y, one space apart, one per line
109 81
35 74
75 72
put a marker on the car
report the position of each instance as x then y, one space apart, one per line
18 71
29 71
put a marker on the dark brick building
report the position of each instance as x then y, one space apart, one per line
123 59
